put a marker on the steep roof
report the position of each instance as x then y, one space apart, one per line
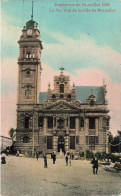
82 93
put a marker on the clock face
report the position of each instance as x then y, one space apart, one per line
29 31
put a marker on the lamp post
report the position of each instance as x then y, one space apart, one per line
33 131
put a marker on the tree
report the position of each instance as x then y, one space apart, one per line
11 132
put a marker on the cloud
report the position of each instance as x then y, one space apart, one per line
10 33
9 71
8 112
83 52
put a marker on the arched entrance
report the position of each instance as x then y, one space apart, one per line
61 143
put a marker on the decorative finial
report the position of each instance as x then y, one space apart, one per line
62 69
91 91
32 11
73 86
103 82
49 86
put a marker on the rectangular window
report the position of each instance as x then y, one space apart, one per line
77 139
72 122
61 88
27 119
49 142
92 140
40 121
50 122
72 142
91 123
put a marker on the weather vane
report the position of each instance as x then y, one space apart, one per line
32 11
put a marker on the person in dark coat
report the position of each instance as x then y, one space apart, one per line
54 157
3 158
66 158
95 165
37 155
45 160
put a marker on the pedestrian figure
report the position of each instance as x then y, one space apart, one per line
45 161
54 157
3 158
37 155
64 152
93 167
96 165
66 159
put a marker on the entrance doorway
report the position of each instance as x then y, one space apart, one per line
61 143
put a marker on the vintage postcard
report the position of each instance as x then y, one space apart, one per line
60 97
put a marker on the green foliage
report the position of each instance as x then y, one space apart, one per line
11 132
89 154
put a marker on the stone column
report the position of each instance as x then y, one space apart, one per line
45 125
86 126
55 143
77 125
67 125
66 143
96 126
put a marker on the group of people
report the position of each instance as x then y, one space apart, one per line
68 158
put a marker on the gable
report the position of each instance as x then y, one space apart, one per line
61 106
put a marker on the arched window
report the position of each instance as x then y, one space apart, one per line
81 122
28 93
27 122
53 96
26 139
61 88
28 55
69 96
61 96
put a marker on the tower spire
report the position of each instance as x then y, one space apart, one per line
32 11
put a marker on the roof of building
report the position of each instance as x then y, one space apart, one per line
31 24
82 93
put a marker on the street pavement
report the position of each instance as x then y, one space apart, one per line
22 176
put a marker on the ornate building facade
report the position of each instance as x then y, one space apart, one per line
73 119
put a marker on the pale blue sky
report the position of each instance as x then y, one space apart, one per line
103 28
88 45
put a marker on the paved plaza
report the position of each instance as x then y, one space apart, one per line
28 177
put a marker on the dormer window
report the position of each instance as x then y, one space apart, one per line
69 96
53 96
92 102
61 88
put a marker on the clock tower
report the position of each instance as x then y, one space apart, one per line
29 62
